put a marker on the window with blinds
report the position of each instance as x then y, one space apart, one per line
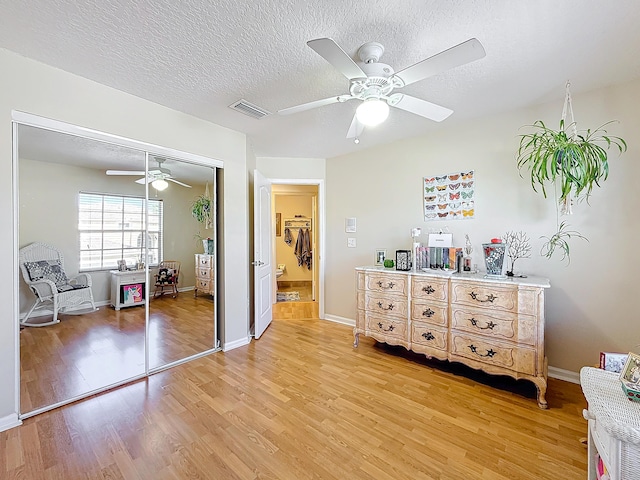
112 228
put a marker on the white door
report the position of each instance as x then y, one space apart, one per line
314 255
262 257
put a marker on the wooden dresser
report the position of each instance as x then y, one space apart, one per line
205 274
488 324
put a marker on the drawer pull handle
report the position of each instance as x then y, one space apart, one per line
390 329
390 307
389 286
428 289
428 336
490 353
428 313
490 324
490 298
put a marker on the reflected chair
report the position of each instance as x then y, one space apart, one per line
167 276
42 268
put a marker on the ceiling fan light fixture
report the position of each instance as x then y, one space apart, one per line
372 112
159 184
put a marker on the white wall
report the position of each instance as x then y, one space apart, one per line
292 168
35 88
591 303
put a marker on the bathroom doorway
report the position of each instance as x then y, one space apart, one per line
296 242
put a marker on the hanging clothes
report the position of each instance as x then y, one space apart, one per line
306 249
299 248
287 236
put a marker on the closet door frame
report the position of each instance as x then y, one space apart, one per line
22 118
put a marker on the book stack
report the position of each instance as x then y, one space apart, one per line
443 258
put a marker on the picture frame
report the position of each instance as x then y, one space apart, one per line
122 265
278 224
380 256
630 374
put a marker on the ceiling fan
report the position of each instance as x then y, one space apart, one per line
157 177
373 82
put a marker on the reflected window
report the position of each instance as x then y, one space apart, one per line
112 228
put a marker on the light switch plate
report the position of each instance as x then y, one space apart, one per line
351 242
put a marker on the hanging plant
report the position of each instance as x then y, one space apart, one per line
576 161
569 162
201 210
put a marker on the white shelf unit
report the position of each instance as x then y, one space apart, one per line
123 278
614 425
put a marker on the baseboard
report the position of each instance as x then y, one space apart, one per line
338 319
10 421
236 344
566 375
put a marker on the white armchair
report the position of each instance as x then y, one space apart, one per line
42 269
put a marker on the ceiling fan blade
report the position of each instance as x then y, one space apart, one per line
176 181
420 107
142 180
465 52
124 172
336 56
310 105
356 128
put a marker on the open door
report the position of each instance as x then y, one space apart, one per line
262 259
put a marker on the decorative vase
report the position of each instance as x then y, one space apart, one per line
207 244
495 259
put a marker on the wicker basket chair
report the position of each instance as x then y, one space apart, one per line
42 268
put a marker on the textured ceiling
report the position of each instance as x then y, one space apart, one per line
198 56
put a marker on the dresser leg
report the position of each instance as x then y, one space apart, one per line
541 385
356 338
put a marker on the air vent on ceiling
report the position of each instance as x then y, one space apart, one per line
250 109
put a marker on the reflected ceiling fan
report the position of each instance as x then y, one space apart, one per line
156 177
374 82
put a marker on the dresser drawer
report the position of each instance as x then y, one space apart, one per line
429 312
383 282
516 358
205 285
204 261
134 278
386 305
428 335
204 273
425 288
484 296
386 327
500 325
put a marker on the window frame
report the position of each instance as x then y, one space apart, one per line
144 250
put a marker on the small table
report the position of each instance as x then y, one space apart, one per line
128 288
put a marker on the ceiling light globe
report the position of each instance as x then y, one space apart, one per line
372 112
159 184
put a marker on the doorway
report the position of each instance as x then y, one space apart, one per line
297 242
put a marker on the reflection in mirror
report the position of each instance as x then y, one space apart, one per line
182 276
82 222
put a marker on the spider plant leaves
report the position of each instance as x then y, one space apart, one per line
578 161
559 241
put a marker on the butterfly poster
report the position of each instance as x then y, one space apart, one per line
449 197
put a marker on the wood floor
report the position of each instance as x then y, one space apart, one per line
302 403
86 352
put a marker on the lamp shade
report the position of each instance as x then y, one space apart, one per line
159 184
372 112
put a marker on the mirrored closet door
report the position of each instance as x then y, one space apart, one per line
109 284
181 305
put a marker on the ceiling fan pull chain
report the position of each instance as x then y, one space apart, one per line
566 206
